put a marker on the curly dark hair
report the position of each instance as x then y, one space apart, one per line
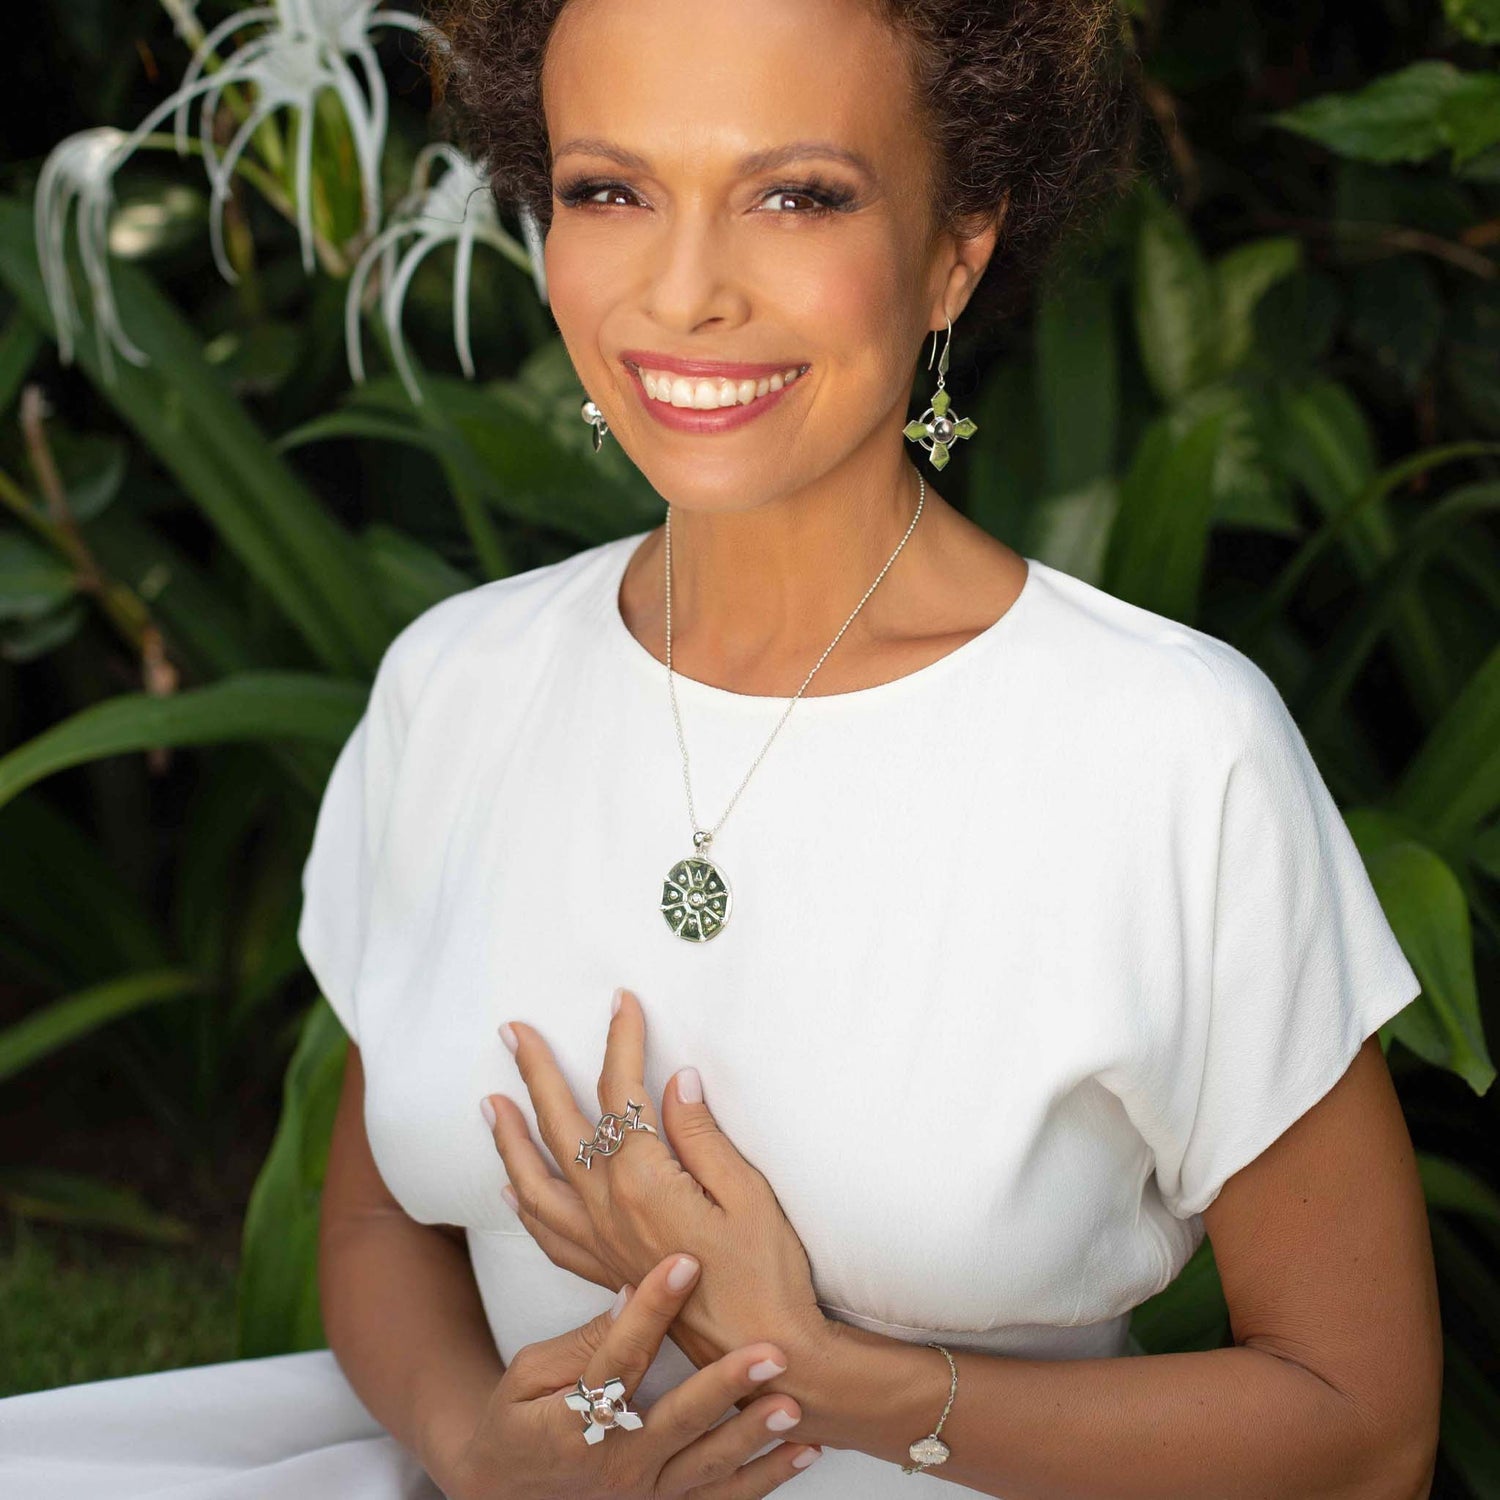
1033 107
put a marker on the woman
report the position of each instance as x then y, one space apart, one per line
947 1012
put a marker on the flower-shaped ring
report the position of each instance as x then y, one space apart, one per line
603 1408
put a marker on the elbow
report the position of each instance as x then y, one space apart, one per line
1399 1460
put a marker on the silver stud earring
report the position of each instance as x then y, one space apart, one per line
936 430
591 413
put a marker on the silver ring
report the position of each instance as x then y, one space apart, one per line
603 1408
609 1133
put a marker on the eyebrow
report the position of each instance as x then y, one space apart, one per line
756 161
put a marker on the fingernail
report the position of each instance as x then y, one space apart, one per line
509 1194
682 1273
488 1111
509 1037
764 1369
614 1003
807 1456
690 1086
621 1298
780 1421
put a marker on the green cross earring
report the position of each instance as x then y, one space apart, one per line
935 430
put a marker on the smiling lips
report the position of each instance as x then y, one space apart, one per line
698 396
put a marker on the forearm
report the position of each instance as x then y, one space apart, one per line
404 1318
1237 1422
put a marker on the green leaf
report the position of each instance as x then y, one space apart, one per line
1327 445
1429 913
309 566
413 577
34 638
1406 116
60 1022
19 345
1452 785
68 1198
1478 20
1159 541
92 469
1077 380
1176 303
33 581
1243 276
1452 1187
253 706
279 1311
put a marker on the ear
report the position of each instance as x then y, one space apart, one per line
973 248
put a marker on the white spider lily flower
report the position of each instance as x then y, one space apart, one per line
459 208
82 167
305 48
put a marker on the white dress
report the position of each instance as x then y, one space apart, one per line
1028 951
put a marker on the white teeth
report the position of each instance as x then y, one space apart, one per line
709 395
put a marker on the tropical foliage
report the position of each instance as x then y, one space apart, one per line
1267 402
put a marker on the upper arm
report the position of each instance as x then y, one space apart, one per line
353 1188
1324 1253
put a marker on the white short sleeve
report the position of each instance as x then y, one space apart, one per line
338 875
1304 965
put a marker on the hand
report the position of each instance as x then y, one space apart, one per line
530 1446
610 1223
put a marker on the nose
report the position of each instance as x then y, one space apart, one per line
696 278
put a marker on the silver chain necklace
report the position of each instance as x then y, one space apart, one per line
695 899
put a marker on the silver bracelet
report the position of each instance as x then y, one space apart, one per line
930 1450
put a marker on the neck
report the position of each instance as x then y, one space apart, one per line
760 593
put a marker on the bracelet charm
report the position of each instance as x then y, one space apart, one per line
930 1450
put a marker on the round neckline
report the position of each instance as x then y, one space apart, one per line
707 692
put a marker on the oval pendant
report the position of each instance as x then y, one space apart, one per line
695 899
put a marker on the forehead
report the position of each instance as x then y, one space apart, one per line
698 83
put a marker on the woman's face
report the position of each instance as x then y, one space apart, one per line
667 242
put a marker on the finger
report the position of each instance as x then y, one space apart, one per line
762 1475
550 1367
683 1420
632 1342
706 1153
623 1076
722 1462
560 1122
560 1250
549 1199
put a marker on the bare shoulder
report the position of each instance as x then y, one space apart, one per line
1323 1250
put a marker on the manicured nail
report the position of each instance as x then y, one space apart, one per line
682 1273
764 1369
690 1086
614 1003
509 1037
488 1111
509 1194
780 1421
807 1456
621 1298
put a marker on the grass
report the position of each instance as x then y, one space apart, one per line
77 1307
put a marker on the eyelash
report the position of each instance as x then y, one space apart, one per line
828 197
